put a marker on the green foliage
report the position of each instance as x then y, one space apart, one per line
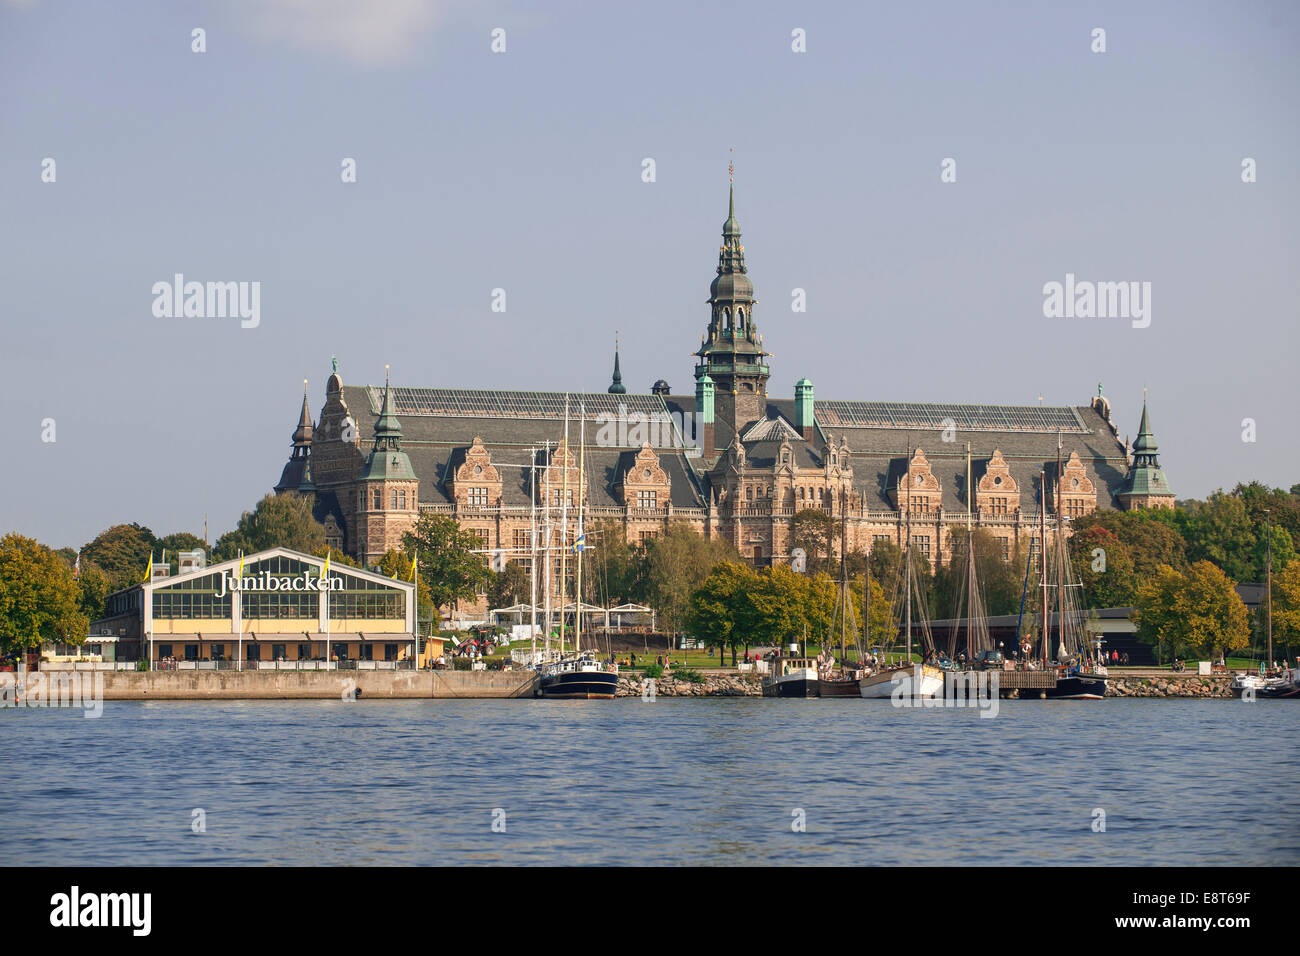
178 541
447 559
653 671
122 551
677 563
1197 613
93 587
1286 604
1000 580
512 586
1150 537
1103 564
614 569
39 599
688 675
278 521
720 610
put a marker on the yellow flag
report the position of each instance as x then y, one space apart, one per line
415 566
240 576
148 570
326 573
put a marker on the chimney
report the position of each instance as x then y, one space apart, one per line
704 414
803 410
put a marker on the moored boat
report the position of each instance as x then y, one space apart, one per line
578 677
884 682
792 677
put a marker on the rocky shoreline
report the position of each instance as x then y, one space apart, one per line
745 685
1188 686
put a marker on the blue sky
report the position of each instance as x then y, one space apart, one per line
522 170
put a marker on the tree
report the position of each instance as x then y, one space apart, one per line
122 551
93 587
721 611
614 569
780 606
813 530
179 541
399 563
1194 613
1149 534
512 586
1104 566
1286 605
39 599
447 559
1219 529
676 564
278 521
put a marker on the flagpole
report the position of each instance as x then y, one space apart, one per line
325 574
239 654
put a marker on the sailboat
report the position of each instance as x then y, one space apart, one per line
841 680
924 679
578 675
1080 673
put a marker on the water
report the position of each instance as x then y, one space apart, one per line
663 782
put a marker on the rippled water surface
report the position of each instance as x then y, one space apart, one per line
667 781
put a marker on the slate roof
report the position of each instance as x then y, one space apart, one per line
438 425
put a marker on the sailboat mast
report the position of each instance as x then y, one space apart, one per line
546 552
1060 558
579 544
1268 588
564 523
970 565
908 554
532 545
844 569
1042 551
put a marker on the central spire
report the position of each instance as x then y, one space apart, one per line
732 354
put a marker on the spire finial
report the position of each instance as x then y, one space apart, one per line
385 376
304 386
731 166
334 360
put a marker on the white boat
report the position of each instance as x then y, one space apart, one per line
882 683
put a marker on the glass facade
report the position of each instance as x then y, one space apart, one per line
366 600
192 600
280 605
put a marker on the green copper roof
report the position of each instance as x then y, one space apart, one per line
386 459
1145 477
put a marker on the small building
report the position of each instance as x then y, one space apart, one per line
274 606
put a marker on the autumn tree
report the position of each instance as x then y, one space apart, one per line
1196 613
1286 605
39 598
